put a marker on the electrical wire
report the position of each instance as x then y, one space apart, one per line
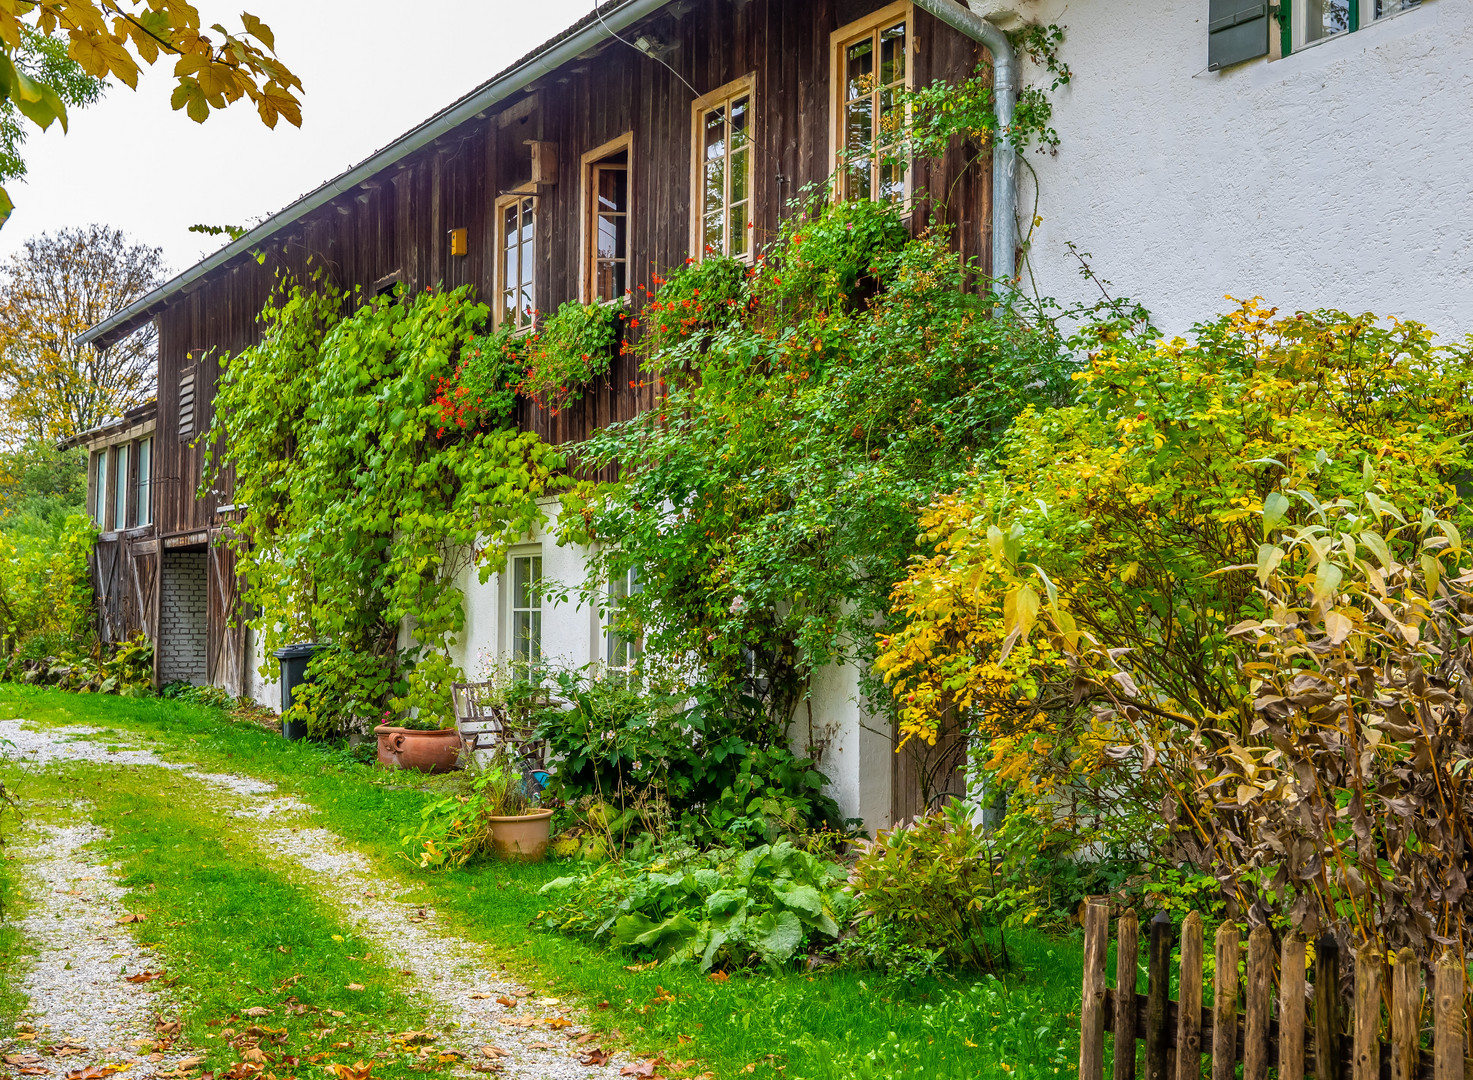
598 12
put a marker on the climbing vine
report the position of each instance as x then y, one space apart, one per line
362 509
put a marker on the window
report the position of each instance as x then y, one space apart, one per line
623 652
143 491
515 242
120 487
526 609
1312 21
606 224
99 498
722 177
870 69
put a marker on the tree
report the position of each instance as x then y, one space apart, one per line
59 285
44 58
113 37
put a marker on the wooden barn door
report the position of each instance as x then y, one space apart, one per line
107 581
923 776
226 628
143 598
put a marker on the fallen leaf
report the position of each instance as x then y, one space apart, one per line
597 1056
34 1070
557 1023
720 976
360 1071
479 997
288 983
254 1055
641 967
22 1059
130 919
588 1038
144 976
520 1021
494 1052
547 1001
509 1002
256 1010
643 1068
189 1063
541 1046
355 986
68 1051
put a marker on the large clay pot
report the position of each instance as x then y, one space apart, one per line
427 751
523 837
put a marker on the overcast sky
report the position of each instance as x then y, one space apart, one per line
372 69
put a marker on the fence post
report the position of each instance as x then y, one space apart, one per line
1291 1009
1092 1006
1406 1015
1127 957
1367 1050
1158 997
1225 1005
1260 1001
1327 1063
1189 1003
1447 1046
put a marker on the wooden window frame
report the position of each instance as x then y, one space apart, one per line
747 85
100 491
588 248
838 41
498 232
535 554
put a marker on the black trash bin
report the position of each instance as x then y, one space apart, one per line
293 673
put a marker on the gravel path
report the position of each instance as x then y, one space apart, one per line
528 1039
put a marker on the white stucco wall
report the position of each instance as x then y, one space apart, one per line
856 755
1338 176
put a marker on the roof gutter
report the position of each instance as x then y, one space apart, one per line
141 310
1004 154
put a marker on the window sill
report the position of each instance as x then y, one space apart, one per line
1385 20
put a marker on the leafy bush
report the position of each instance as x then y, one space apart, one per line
571 349
46 599
718 908
344 692
933 882
483 390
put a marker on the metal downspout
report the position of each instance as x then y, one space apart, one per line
1004 156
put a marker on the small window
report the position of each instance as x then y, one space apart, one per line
1313 21
723 172
515 240
526 610
623 652
143 491
871 69
99 495
606 241
120 487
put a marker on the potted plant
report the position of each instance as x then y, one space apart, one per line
520 828
428 749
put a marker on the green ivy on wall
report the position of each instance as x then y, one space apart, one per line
361 509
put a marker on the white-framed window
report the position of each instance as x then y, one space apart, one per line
1313 21
721 180
143 489
120 486
607 194
99 489
516 234
526 609
870 66
622 653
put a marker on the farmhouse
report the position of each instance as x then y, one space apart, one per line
655 130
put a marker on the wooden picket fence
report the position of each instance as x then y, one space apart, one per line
1185 1040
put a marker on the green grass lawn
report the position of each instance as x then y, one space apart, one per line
802 1026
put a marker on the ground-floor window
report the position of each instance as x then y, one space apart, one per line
526 609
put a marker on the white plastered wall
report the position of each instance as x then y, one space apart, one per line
856 755
1338 176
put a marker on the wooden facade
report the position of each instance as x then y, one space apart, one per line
404 224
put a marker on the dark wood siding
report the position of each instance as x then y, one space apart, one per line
398 223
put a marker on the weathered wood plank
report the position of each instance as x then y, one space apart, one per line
1127 956
1259 1002
1367 1042
1189 1006
1448 1032
1327 1024
1092 1004
1158 995
1225 1005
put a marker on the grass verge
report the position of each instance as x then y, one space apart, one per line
797 1025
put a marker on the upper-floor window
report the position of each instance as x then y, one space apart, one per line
143 489
526 610
120 487
1312 21
723 172
606 197
515 242
870 70
99 489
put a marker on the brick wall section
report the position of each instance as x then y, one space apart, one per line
183 617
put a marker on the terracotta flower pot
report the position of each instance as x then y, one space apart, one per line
427 751
522 837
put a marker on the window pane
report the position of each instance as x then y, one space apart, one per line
859 68
613 186
740 175
120 488
526 221
892 55
1391 7
100 509
611 236
714 193
1324 18
143 510
739 230
713 234
608 280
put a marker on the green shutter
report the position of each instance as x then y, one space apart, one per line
1237 30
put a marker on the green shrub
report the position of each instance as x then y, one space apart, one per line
456 829
718 908
933 881
570 350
